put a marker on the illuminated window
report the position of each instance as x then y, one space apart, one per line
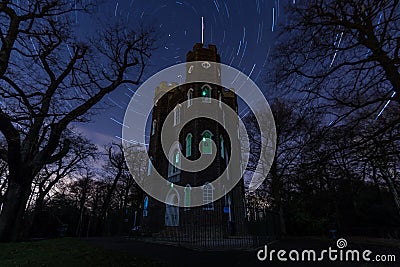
145 206
222 146
206 93
149 166
176 162
206 143
189 145
174 159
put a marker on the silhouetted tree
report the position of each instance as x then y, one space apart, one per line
82 189
343 56
49 79
80 155
295 131
116 168
342 59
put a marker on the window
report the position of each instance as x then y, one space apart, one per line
219 100
208 196
225 198
190 97
230 208
149 166
206 93
145 206
188 188
222 146
189 145
177 114
171 208
174 159
226 162
206 143
154 127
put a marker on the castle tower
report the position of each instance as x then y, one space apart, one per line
224 216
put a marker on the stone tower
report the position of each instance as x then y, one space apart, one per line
224 216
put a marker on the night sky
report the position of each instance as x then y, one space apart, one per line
243 32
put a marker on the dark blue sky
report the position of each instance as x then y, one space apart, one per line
242 30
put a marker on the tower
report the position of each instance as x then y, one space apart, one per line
224 216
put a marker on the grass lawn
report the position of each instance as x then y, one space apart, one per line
66 252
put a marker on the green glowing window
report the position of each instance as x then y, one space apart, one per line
206 143
188 145
206 93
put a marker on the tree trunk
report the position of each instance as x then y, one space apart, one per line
37 213
106 204
82 202
12 213
276 190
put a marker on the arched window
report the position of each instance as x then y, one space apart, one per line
176 161
145 206
208 196
226 162
206 93
174 158
154 127
189 145
222 146
187 190
177 114
172 208
149 166
230 208
206 143
190 97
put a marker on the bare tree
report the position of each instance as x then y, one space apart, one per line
80 155
49 78
343 56
117 167
295 132
137 160
83 186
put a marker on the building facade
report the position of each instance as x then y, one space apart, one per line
224 216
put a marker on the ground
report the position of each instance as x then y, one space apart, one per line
119 251
67 252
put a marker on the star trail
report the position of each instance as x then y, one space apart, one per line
243 32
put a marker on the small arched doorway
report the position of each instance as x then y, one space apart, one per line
172 209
